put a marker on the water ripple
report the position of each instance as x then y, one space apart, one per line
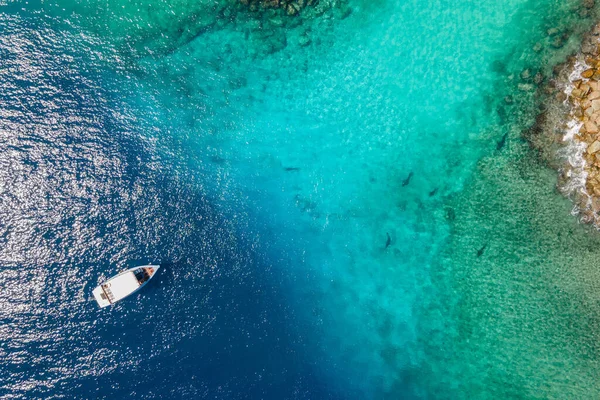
84 193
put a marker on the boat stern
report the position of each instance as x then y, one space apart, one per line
101 297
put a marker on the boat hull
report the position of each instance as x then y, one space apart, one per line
124 284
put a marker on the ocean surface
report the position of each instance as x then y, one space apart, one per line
341 200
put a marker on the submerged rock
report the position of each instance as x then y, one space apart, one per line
538 78
295 7
292 9
588 48
343 11
526 74
558 42
276 21
526 87
562 97
304 40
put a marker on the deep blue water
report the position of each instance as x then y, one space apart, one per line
317 207
84 195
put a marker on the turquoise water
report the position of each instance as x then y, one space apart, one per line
370 157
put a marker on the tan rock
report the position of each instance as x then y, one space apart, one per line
577 83
578 93
589 112
595 204
594 147
591 127
594 85
596 75
586 103
588 73
589 188
594 95
585 88
596 105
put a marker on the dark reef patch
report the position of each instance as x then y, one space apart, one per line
145 29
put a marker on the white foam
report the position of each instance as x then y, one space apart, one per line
573 152
573 127
576 174
578 68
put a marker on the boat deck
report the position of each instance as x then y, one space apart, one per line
122 285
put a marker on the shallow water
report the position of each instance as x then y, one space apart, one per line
352 216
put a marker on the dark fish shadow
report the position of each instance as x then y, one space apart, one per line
502 142
406 181
481 250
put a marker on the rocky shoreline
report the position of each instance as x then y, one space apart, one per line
567 132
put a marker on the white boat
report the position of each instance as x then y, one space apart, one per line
125 283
